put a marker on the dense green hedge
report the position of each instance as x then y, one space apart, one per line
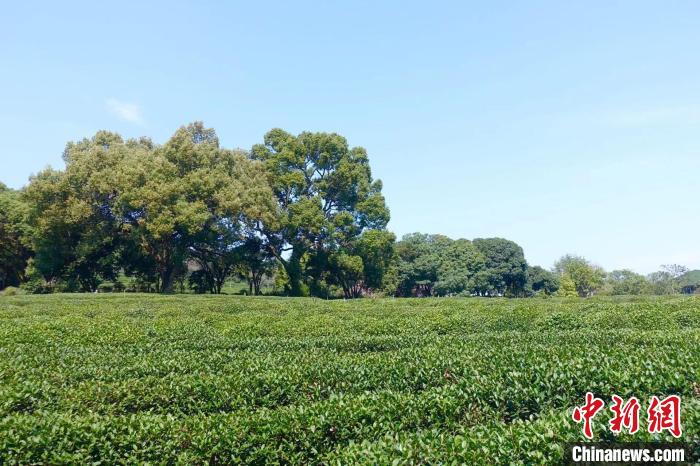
193 379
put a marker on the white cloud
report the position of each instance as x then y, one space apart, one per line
127 111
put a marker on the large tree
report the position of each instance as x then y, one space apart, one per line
189 198
542 281
505 270
419 258
144 208
626 282
437 265
361 266
74 229
326 198
667 280
14 252
586 277
460 263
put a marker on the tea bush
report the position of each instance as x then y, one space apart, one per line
214 379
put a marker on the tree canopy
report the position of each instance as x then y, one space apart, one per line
542 281
14 253
435 265
505 271
586 277
326 199
145 209
626 282
301 211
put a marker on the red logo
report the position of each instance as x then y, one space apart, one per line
661 415
665 415
587 412
626 415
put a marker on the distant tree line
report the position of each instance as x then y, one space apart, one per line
300 211
435 265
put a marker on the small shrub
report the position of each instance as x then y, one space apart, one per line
11 291
105 287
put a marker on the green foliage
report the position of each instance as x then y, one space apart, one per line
672 279
144 208
301 211
254 262
437 265
419 258
662 283
542 281
11 291
194 198
326 199
626 282
376 249
587 278
419 261
14 253
347 271
567 287
116 379
35 283
74 229
505 272
689 282
360 267
460 262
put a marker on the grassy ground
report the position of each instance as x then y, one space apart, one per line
223 379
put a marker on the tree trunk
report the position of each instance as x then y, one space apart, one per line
357 290
294 273
167 279
219 280
257 278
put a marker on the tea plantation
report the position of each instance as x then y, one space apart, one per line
107 379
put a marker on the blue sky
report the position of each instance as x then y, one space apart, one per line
569 127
